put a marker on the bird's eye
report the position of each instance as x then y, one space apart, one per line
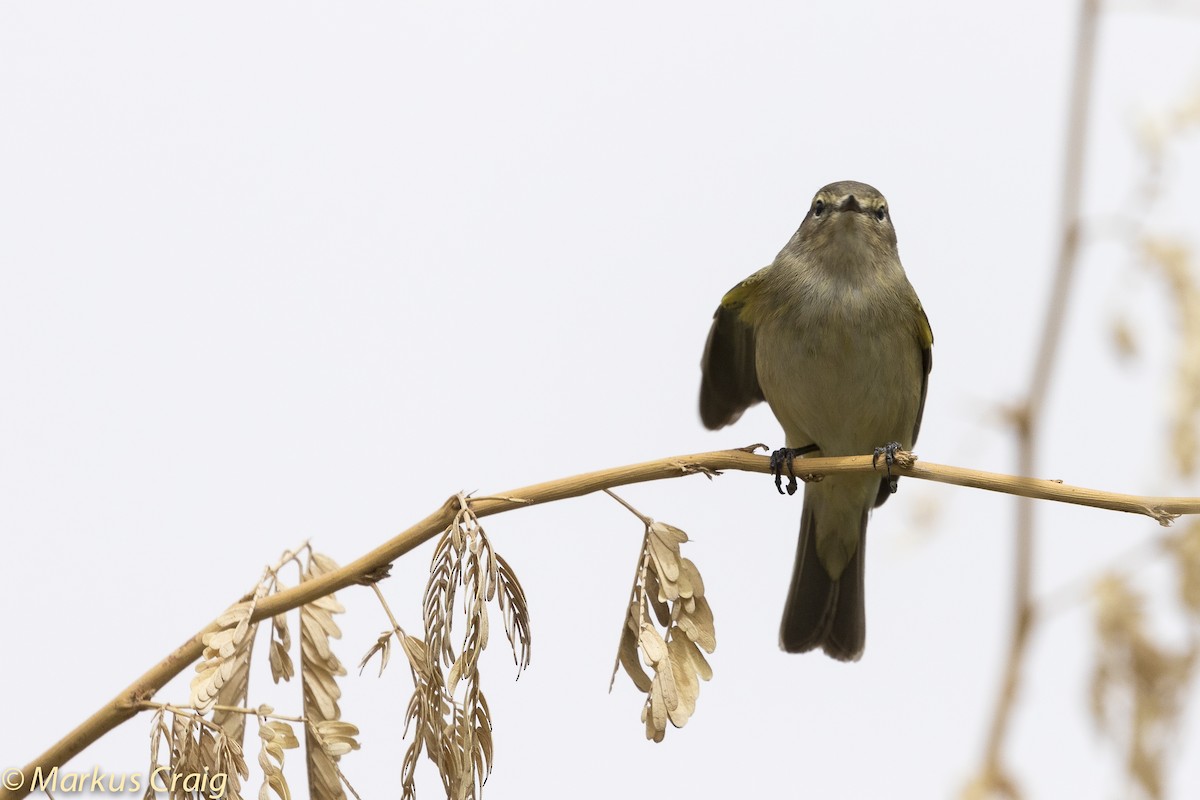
818 208
881 213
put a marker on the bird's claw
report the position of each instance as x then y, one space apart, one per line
888 451
785 457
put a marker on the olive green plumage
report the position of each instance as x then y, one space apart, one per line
833 337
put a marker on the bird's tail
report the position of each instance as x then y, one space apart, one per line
820 611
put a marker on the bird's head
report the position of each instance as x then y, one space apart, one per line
847 220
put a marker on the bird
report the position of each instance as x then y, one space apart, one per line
834 338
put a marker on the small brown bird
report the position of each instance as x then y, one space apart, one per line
833 337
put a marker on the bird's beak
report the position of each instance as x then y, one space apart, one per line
851 204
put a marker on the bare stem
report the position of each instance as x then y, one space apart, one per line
1029 420
388 610
628 507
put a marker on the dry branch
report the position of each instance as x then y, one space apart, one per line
126 704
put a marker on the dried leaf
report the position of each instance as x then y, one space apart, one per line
282 667
318 669
697 625
455 734
687 687
691 577
281 642
337 738
671 587
226 652
383 646
657 600
668 535
628 655
417 654
233 693
652 644
666 564
655 713
516 613
699 663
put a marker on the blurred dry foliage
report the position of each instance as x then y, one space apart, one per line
448 712
1141 672
1173 261
1138 685
1140 680
671 585
213 745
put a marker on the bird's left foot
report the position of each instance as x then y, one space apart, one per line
888 451
784 457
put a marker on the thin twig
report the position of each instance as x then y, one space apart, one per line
628 507
388 610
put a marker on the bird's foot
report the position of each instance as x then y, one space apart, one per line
784 457
888 451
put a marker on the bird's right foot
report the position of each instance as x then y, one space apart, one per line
888 451
784 457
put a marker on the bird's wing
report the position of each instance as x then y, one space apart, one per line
729 379
925 340
925 337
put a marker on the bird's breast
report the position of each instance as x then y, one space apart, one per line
846 378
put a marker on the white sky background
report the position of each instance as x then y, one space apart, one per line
278 271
